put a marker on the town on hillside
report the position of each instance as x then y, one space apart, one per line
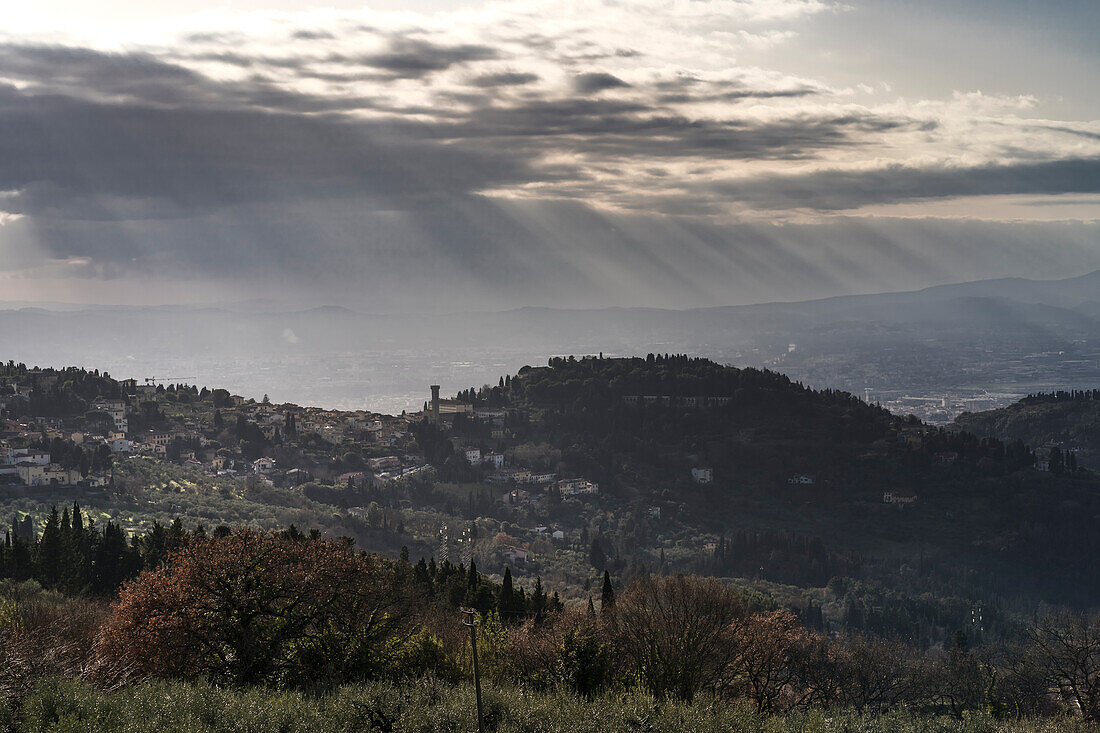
563 471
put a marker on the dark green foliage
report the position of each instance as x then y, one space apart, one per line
75 557
607 595
586 661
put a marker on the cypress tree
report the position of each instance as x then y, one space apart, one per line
506 605
538 601
19 563
175 537
48 557
607 595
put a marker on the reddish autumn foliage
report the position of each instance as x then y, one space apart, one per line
257 608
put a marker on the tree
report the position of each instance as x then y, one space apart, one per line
873 675
768 646
221 398
1068 648
607 595
679 633
506 601
48 561
586 660
254 608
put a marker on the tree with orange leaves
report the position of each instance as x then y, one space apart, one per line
260 608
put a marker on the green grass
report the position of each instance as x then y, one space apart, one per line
428 706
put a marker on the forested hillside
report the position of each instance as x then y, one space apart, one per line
1066 421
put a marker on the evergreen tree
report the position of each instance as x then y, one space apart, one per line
607 595
18 564
506 603
48 555
538 601
154 546
472 577
115 561
175 537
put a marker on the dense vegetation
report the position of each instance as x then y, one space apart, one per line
977 532
295 628
1064 422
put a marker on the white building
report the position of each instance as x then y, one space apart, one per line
577 486
702 475
116 409
26 455
473 456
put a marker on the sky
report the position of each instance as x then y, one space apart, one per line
422 155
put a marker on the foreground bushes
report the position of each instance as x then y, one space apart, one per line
428 705
308 630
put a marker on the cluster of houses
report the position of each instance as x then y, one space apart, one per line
33 467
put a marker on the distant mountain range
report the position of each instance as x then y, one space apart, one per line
1015 334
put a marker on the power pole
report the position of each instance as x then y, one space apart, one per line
471 622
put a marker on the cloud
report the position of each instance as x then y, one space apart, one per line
592 148
412 57
597 81
851 189
504 79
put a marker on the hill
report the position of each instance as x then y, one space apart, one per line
803 484
1068 421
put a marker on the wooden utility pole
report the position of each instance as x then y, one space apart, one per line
470 620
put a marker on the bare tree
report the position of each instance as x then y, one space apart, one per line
1068 648
768 645
679 633
875 674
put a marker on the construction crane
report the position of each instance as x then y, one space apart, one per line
170 380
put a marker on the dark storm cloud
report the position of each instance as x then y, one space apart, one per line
597 81
629 129
504 79
60 68
68 152
143 79
848 189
